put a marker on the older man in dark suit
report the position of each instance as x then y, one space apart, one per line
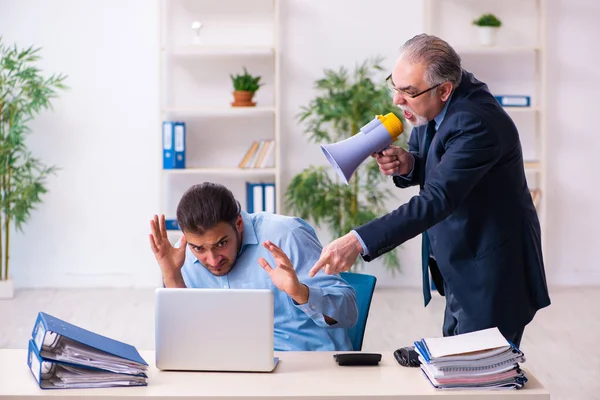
481 233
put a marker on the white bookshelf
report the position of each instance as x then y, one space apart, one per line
196 88
516 64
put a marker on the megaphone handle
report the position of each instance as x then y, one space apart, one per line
381 151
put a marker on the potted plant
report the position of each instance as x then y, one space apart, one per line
24 93
244 87
487 25
345 104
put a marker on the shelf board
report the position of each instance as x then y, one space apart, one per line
532 165
521 109
496 49
222 171
205 50
219 111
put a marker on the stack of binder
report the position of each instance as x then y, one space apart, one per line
65 356
476 360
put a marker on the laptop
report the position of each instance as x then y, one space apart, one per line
214 330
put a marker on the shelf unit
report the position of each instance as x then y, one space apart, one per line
196 88
521 47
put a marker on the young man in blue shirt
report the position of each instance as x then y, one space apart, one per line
224 247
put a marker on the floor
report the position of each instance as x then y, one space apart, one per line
562 344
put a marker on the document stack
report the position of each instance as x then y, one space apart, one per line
476 360
64 356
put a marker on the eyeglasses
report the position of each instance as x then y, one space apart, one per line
395 90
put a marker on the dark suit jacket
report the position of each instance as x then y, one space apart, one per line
475 203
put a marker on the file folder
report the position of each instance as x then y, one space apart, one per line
58 340
51 374
513 100
173 145
179 145
260 197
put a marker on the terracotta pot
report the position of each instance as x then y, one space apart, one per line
243 99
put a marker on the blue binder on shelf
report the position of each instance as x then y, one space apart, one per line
260 197
173 137
513 100
171 225
52 374
58 340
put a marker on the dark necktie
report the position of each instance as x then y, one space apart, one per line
425 251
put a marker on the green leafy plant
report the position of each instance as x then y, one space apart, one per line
488 20
246 82
346 103
24 93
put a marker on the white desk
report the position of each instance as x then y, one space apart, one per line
298 376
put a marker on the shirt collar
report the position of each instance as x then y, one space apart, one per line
249 234
440 117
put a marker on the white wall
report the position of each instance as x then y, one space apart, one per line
92 228
573 178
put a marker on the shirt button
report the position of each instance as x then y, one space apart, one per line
313 307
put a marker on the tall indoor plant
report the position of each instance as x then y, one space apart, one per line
346 102
24 93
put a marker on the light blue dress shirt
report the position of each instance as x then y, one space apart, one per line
297 327
438 121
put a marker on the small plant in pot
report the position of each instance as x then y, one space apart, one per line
244 86
487 25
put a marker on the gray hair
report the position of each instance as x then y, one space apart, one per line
442 63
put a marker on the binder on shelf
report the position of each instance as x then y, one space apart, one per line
171 225
173 145
50 374
266 144
513 100
179 145
268 160
259 155
60 341
260 197
248 156
269 197
254 197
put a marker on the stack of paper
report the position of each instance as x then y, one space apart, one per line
62 355
481 359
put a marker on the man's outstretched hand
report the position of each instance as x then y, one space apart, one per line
169 258
338 256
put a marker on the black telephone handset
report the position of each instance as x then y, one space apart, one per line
407 357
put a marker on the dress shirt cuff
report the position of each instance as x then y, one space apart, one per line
365 250
408 177
314 306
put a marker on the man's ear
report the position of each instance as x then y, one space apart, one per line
239 223
445 90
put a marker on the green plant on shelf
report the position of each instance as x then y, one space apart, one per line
489 20
245 82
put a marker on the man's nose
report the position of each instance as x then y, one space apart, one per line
214 258
399 99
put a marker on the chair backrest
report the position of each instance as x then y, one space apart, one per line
364 285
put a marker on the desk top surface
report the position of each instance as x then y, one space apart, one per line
299 375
